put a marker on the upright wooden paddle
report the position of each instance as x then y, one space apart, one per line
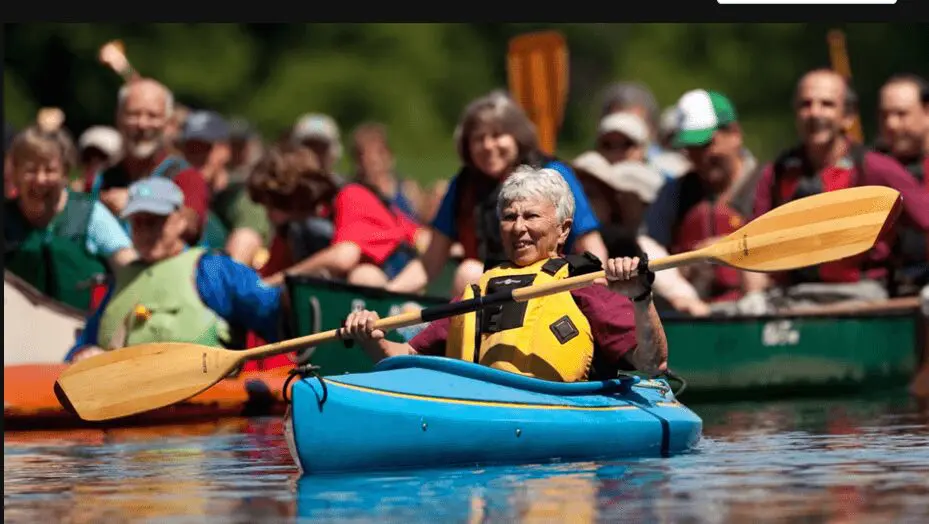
802 233
537 74
838 56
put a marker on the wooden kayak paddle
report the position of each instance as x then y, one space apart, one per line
805 232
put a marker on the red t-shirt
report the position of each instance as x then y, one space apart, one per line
611 317
363 219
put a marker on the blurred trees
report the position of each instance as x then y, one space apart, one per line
417 77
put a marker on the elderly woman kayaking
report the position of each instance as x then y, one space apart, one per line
585 334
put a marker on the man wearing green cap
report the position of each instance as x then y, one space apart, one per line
719 184
722 169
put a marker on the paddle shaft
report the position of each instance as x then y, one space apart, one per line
465 306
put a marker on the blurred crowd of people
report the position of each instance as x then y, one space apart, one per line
190 195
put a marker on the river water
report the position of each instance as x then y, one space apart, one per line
862 460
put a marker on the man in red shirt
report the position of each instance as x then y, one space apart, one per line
827 160
143 111
904 135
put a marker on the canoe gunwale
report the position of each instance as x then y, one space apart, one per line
902 307
37 298
369 292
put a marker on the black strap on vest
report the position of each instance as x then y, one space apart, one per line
583 264
554 265
857 152
478 322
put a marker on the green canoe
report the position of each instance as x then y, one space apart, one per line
804 354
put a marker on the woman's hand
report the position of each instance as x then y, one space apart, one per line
622 275
360 326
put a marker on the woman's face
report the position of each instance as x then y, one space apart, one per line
39 183
530 231
492 151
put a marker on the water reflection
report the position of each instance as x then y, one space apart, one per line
851 461
147 474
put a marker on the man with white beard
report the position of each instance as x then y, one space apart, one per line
142 115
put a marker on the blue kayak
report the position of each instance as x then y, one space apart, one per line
421 412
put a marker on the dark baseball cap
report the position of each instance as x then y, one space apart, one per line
206 126
155 195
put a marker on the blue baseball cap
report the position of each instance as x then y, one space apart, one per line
206 126
155 195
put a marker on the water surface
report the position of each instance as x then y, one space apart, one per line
837 461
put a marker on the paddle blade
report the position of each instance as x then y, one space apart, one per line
141 378
537 74
812 230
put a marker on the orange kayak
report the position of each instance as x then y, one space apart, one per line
29 400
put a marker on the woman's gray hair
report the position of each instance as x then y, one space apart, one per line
527 182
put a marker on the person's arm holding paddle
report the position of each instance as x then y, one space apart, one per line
650 354
360 326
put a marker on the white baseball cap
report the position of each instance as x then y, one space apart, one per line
628 124
104 138
319 127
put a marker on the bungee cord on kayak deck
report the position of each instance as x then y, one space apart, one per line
303 371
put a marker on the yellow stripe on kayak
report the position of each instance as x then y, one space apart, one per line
483 403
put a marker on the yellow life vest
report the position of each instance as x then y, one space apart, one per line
546 337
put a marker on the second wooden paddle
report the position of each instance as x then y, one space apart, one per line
802 233
838 56
537 74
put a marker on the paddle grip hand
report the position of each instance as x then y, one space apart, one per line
365 326
630 277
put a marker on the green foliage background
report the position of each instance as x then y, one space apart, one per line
416 78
